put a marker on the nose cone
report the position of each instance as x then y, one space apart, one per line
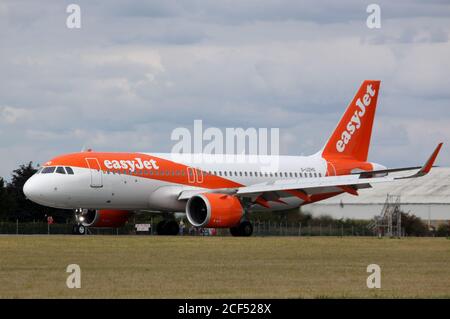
43 189
30 189
38 189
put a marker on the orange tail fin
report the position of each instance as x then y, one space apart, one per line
351 138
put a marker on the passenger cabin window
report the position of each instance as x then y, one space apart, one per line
48 170
60 170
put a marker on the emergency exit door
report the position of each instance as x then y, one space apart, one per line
194 175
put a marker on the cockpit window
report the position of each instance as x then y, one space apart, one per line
48 170
60 170
69 170
39 170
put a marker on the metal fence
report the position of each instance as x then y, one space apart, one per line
260 228
40 228
269 228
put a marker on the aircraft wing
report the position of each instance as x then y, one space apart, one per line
295 187
336 183
310 189
314 189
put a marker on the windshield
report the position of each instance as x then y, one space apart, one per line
48 170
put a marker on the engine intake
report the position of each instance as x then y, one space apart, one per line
214 210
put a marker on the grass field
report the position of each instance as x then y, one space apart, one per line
222 267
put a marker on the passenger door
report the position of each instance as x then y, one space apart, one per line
96 172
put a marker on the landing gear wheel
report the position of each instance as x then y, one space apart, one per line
79 230
244 229
172 228
161 227
167 227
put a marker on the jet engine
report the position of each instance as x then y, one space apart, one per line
214 210
104 218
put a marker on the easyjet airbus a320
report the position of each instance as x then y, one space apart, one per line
105 189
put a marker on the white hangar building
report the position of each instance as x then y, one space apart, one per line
427 197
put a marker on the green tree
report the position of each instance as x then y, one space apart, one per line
443 230
413 225
23 208
6 202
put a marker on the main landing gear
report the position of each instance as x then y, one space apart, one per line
167 227
244 229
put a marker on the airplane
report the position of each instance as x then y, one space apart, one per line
105 189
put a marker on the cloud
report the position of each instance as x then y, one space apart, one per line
11 115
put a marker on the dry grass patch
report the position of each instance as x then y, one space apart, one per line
222 267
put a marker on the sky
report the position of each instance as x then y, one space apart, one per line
137 70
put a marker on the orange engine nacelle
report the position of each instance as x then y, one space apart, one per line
105 218
214 210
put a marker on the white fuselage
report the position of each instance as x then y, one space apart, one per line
107 189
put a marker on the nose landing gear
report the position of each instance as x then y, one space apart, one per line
78 228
